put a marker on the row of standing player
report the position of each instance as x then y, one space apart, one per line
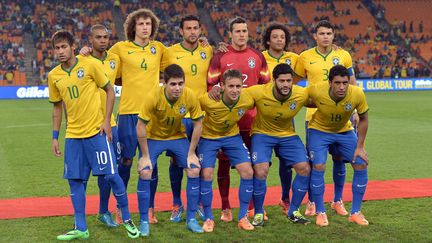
140 28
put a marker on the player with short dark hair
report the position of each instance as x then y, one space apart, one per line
314 64
276 39
194 58
221 132
76 82
160 129
331 129
109 63
251 63
273 129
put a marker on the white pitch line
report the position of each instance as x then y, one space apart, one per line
26 125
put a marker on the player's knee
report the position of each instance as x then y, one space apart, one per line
246 173
193 173
126 162
319 166
359 166
261 172
302 169
207 174
145 174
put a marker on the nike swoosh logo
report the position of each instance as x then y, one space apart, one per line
179 58
316 185
250 191
57 80
301 190
358 185
266 104
230 64
312 62
205 193
130 52
103 168
132 233
119 195
194 188
340 174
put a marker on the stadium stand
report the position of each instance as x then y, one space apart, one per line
378 49
12 68
77 17
258 14
414 25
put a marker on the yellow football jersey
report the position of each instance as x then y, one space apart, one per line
335 117
289 58
194 63
164 120
110 65
221 120
140 68
274 117
78 89
315 66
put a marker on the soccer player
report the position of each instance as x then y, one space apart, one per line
76 82
277 103
160 129
194 59
220 131
252 65
276 39
140 58
314 64
109 63
331 128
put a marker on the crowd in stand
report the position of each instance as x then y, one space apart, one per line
77 17
12 53
41 18
259 14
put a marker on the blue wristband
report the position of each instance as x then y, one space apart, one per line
55 134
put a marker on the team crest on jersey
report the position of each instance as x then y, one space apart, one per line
348 107
251 62
80 73
311 155
112 64
203 55
335 61
288 61
293 105
153 50
254 156
240 112
182 109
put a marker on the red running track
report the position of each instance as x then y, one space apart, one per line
60 206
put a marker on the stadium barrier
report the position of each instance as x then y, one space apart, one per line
368 85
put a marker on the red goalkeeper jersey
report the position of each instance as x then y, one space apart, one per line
253 66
